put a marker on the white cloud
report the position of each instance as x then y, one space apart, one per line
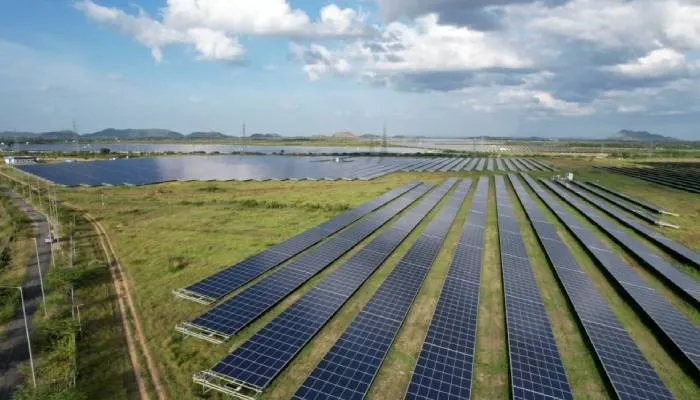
211 45
543 101
207 25
430 46
657 63
195 99
319 61
423 47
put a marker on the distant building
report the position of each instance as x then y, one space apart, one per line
20 160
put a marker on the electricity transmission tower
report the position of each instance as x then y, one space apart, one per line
244 147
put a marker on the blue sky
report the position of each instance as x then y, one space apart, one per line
557 68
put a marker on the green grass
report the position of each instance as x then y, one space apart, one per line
170 235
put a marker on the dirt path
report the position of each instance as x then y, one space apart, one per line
13 346
125 301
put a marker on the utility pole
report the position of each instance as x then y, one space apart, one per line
41 279
26 330
244 147
77 139
384 138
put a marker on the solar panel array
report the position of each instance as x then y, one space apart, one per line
229 317
445 364
661 177
668 320
631 199
536 369
625 367
260 359
220 284
348 369
676 249
623 205
684 285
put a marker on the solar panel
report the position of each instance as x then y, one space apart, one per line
643 204
229 317
509 165
676 249
685 285
226 281
633 210
626 369
260 359
480 166
668 320
536 368
349 368
445 364
499 165
489 165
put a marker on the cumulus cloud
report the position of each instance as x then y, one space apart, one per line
209 44
211 26
405 54
659 62
319 61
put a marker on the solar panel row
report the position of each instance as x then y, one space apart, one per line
445 364
623 205
654 177
259 360
348 369
220 284
685 285
679 251
631 199
667 319
536 369
229 317
626 369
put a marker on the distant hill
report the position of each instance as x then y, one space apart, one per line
58 135
17 135
265 136
626 134
112 133
344 135
206 135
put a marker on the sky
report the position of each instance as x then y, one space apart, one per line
448 68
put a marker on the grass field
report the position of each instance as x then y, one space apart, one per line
170 235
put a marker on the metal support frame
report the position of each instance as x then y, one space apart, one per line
190 295
210 380
201 332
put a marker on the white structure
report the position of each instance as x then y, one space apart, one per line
19 160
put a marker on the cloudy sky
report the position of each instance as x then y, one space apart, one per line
556 68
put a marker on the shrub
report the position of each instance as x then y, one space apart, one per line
177 263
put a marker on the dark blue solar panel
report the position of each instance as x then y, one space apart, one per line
231 316
536 368
349 368
665 316
625 367
630 199
226 281
674 248
445 364
259 360
627 207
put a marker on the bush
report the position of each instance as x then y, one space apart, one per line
177 263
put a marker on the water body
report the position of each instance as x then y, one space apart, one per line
206 148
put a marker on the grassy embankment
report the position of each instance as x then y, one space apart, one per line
76 360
